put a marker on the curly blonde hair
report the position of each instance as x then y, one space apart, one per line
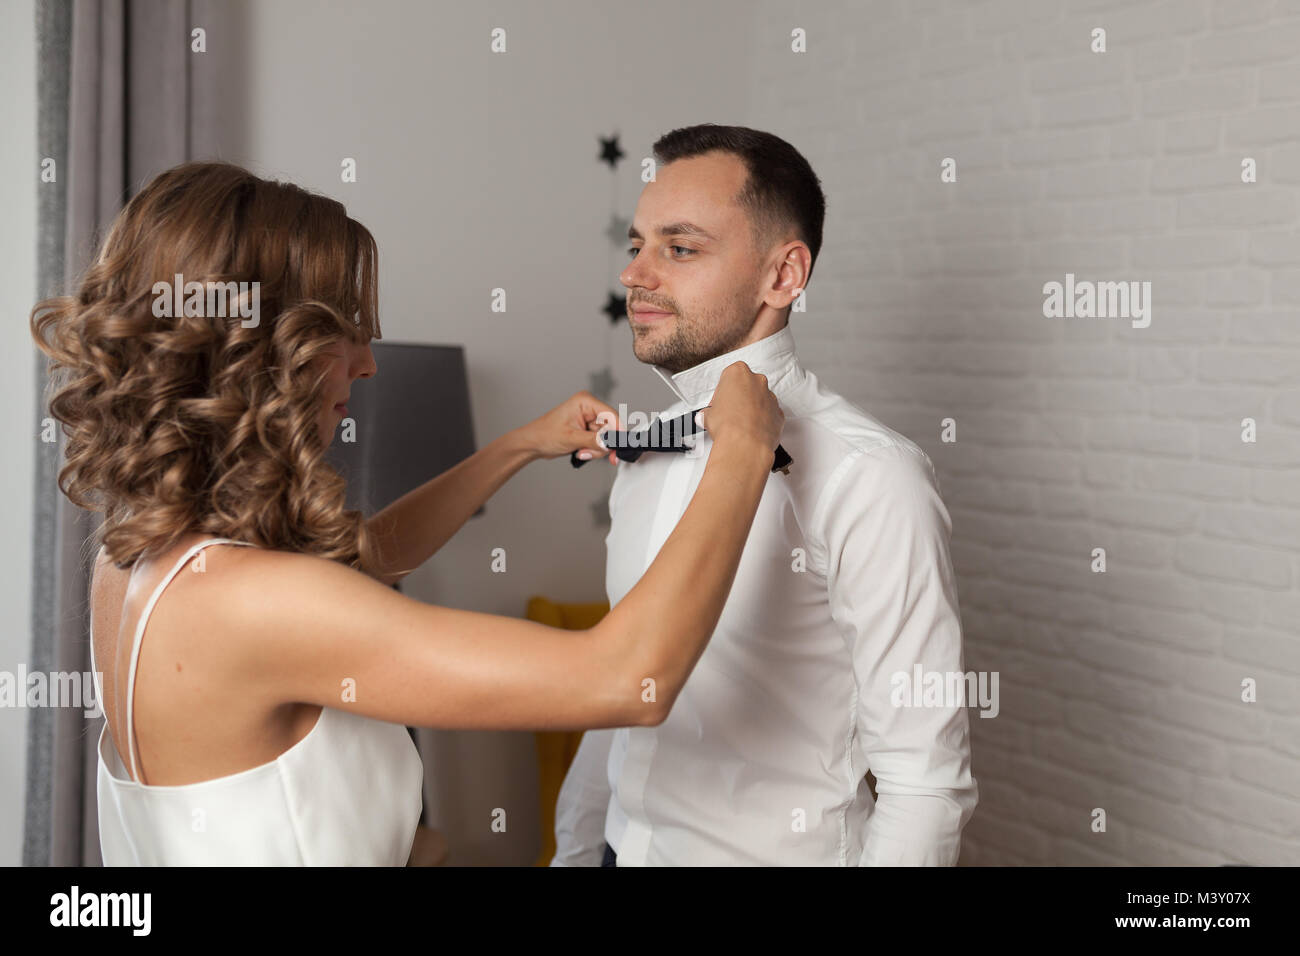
191 423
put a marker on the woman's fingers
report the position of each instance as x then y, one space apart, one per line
587 408
595 416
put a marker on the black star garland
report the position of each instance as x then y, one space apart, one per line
617 231
615 308
601 383
602 380
610 151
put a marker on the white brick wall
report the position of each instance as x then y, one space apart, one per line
1120 690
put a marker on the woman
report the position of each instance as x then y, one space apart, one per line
258 717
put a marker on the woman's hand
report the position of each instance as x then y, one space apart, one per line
743 407
571 426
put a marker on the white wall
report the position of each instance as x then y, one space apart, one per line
18 425
479 171
1119 690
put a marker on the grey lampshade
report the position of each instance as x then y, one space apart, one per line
412 423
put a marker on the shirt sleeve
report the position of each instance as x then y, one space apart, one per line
584 799
893 596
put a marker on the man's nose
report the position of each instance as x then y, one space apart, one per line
638 273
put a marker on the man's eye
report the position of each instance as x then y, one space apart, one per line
676 250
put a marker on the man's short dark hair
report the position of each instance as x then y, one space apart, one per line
781 191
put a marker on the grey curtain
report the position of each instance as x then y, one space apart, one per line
121 100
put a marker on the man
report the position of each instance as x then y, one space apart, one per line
845 582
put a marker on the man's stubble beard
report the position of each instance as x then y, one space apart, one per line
693 340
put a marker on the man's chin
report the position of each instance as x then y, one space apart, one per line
648 343
648 353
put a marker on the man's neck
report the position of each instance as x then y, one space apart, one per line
771 355
766 325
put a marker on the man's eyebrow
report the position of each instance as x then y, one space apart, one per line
675 229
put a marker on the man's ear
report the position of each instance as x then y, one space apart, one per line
789 275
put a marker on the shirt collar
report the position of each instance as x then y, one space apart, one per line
773 356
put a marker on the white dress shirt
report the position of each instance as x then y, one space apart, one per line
845 581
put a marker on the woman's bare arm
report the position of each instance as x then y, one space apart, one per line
321 633
313 631
414 527
317 632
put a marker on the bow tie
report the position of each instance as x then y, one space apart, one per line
667 436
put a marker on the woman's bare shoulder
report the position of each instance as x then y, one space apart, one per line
270 608
244 585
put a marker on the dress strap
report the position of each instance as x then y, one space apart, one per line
139 634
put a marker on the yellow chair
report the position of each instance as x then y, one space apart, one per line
556 748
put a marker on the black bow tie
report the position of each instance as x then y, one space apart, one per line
667 436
